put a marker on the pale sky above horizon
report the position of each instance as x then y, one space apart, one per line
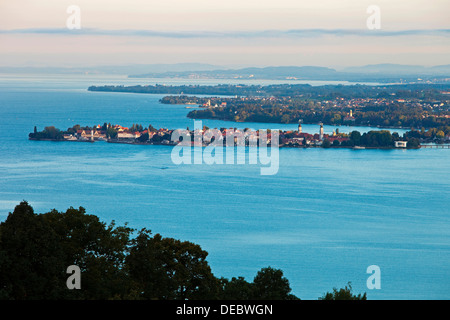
229 33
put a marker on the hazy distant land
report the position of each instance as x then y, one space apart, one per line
384 73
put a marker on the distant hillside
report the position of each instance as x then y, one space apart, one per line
386 73
283 72
380 73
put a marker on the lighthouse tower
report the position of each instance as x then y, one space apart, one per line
299 127
321 131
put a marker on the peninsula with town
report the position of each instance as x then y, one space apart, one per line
418 106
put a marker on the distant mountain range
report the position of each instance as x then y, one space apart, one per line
369 73
380 72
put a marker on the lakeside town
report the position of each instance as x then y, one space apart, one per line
384 106
137 134
384 111
425 109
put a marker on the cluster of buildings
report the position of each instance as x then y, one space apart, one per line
86 135
292 138
300 138
98 133
287 138
208 104
384 102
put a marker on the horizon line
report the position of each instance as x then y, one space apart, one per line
232 34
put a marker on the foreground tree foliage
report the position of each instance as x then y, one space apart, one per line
268 284
165 268
36 249
343 294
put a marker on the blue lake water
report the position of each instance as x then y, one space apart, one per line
323 218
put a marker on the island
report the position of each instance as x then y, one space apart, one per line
148 135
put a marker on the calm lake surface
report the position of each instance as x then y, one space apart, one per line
323 218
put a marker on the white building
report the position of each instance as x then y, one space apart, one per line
127 135
401 144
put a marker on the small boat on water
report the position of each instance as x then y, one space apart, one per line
358 148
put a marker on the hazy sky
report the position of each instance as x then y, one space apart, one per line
229 33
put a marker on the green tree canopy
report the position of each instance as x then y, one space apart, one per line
237 289
165 268
37 249
326 143
343 294
30 257
111 133
270 284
